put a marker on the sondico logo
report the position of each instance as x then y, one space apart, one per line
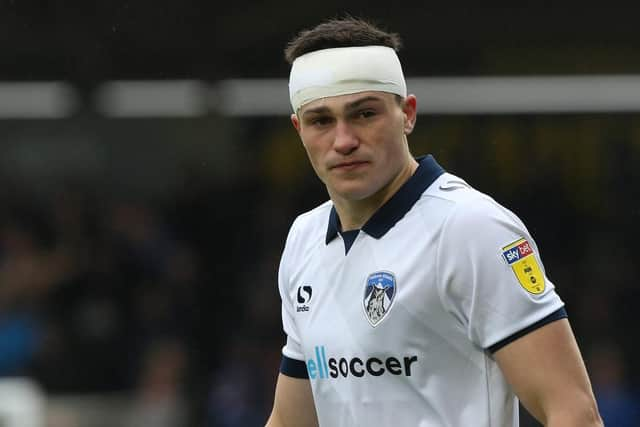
304 297
321 367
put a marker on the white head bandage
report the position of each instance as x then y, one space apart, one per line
345 70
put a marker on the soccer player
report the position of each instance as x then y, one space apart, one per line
409 298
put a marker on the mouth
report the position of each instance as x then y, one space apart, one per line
350 165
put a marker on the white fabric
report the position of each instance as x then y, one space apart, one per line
455 297
345 70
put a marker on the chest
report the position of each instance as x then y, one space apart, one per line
380 297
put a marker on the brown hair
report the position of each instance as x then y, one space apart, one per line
341 32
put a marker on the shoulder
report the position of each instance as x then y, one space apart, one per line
307 233
308 228
453 190
454 200
466 214
312 222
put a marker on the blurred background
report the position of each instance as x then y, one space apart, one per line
149 174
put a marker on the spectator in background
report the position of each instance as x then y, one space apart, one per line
237 397
159 399
27 271
618 402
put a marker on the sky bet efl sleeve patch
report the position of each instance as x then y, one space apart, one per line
520 256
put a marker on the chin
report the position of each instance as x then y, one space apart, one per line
354 194
356 189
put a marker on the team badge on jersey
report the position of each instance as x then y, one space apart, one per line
520 257
379 293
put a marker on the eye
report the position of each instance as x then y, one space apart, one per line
320 121
366 114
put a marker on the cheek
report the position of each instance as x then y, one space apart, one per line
315 156
391 140
310 149
314 147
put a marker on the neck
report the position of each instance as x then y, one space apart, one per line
354 214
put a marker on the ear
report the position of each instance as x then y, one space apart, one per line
410 110
296 122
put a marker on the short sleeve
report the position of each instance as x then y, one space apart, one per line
490 273
292 348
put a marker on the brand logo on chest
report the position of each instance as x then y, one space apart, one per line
379 294
304 297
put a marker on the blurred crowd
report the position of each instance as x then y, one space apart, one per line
121 296
174 302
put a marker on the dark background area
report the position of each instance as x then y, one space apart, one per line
138 256
87 42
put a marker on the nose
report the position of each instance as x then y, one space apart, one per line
346 140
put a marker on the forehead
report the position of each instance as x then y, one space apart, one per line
340 102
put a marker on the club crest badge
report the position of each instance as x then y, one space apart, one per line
520 257
379 293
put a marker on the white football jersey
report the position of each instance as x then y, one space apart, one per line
395 324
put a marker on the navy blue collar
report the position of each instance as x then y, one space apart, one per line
398 205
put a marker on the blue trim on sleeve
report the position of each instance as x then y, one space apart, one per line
556 315
293 367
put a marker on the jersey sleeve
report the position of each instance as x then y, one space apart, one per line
292 348
491 276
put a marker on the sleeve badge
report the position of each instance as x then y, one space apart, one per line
520 257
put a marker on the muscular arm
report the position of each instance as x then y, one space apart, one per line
293 404
547 373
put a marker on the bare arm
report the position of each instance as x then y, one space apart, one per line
293 404
547 373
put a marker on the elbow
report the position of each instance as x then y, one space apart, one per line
590 417
589 414
593 417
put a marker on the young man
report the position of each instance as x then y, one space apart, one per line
409 298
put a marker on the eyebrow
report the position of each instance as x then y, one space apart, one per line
355 104
350 106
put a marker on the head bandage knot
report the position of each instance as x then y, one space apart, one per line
345 70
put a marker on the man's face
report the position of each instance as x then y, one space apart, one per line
357 143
